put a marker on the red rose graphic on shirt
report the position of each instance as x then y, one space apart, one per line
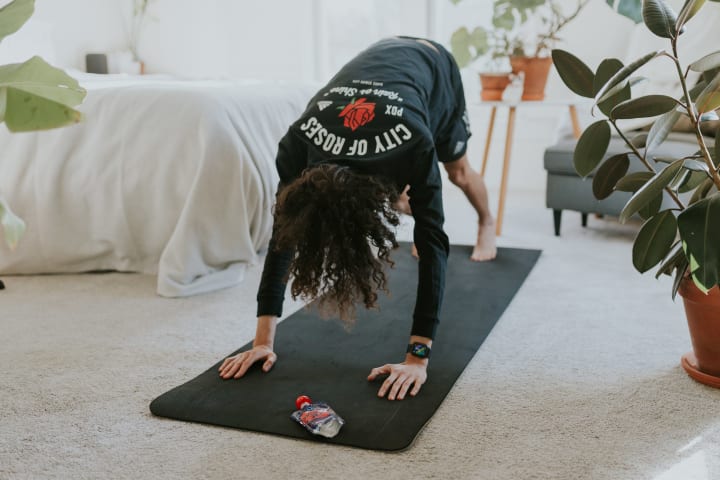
358 113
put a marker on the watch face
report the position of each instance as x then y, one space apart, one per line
420 350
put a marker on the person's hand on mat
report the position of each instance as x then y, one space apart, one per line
237 365
401 376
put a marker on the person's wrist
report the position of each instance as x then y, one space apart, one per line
413 360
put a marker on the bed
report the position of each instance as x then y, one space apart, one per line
164 176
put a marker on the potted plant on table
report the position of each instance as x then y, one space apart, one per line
683 240
34 96
522 35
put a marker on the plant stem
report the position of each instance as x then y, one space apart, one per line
695 118
645 162
561 23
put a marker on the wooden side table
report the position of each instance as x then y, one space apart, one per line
512 108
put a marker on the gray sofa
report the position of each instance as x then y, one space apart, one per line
566 190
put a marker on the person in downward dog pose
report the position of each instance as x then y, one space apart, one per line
367 146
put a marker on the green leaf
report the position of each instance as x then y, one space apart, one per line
708 62
700 231
615 99
38 96
679 275
717 144
624 73
709 99
591 147
14 15
609 173
460 47
27 112
702 191
37 77
692 182
650 190
654 241
605 71
671 260
652 208
633 181
12 225
639 140
689 9
642 107
577 76
659 18
661 129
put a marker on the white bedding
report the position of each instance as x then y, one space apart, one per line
164 176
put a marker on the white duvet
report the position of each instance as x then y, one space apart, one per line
163 176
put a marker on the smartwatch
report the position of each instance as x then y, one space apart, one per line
419 350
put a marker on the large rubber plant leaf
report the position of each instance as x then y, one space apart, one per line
661 129
651 208
659 18
609 173
689 9
605 71
14 15
12 225
643 107
623 74
654 241
699 226
39 78
607 68
591 147
650 190
631 9
632 182
709 99
708 62
577 76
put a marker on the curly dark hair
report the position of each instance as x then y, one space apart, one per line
338 223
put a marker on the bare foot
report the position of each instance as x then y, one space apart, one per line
485 248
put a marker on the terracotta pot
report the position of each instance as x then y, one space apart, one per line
703 316
536 70
493 85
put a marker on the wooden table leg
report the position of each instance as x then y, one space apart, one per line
506 170
488 140
575 123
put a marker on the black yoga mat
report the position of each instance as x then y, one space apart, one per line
323 360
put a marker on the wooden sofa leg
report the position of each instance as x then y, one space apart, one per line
557 216
583 219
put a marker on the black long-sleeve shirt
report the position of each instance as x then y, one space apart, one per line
395 110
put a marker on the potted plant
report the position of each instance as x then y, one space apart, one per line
35 96
139 15
522 35
683 240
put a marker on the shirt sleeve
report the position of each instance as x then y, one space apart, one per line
291 160
431 242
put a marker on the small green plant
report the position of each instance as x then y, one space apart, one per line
686 237
33 96
521 28
140 8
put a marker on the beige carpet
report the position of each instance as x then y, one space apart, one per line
580 379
